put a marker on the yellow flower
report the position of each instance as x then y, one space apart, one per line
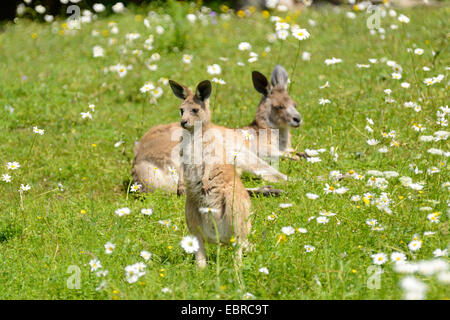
64 25
116 291
354 271
83 211
400 197
252 9
265 14
224 8
232 240
34 35
138 17
281 238
115 298
94 145
105 33
240 14
170 247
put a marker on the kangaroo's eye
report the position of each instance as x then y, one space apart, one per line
181 111
278 107
195 110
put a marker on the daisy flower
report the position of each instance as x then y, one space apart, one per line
322 220
147 212
135 187
190 244
323 101
440 253
122 211
98 51
309 248
95 264
415 245
214 69
433 217
187 58
248 296
38 131
299 33
24 187
396 76
13 165
243 46
398 257
403 19
85 115
264 270
379 258
208 210
109 247
288 230
6 177
145 255
148 86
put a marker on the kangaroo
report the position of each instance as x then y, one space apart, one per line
276 110
156 163
217 203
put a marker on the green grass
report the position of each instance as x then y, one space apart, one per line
46 231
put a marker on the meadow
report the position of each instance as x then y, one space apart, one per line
375 124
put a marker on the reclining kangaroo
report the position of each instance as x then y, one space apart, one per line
156 163
217 203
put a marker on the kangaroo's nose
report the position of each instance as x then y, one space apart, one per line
183 123
297 119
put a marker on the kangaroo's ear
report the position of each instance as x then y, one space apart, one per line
260 82
179 90
279 77
203 90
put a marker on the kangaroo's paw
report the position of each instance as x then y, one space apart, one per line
180 190
303 155
265 191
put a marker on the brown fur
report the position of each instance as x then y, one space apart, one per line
211 185
276 110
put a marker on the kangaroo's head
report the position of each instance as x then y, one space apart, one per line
195 107
276 109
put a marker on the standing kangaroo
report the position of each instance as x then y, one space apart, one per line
156 153
217 203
